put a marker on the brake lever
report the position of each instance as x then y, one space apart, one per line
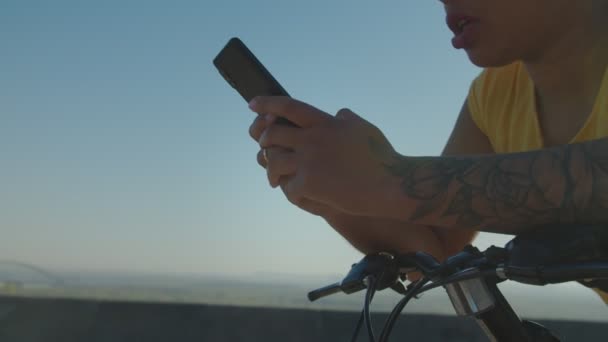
382 266
419 261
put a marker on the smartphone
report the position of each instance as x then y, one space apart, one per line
245 73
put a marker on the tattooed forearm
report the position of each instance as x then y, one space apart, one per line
508 192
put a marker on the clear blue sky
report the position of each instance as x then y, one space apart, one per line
121 147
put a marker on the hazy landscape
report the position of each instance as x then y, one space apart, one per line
566 302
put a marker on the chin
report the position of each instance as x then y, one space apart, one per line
488 59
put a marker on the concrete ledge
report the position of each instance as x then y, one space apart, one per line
36 320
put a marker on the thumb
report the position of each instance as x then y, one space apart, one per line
347 114
314 207
353 118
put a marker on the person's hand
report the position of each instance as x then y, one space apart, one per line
367 234
337 161
270 158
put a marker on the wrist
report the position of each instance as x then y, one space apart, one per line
391 200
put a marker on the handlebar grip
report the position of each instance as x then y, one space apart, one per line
557 273
324 291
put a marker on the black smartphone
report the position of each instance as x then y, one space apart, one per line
245 73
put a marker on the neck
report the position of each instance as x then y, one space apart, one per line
570 71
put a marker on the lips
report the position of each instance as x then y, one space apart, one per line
465 28
457 22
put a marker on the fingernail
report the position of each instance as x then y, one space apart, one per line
261 139
253 103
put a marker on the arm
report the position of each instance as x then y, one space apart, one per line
370 235
504 193
466 138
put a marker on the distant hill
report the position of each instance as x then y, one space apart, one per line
569 302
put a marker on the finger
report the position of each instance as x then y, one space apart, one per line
259 125
297 192
311 206
281 163
294 188
261 158
269 151
300 113
280 135
350 116
414 276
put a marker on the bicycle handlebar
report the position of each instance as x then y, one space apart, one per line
470 278
542 275
556 274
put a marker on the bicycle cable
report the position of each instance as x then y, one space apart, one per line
366 313
358 327
369 295
392 318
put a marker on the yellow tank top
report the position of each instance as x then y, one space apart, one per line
502 104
